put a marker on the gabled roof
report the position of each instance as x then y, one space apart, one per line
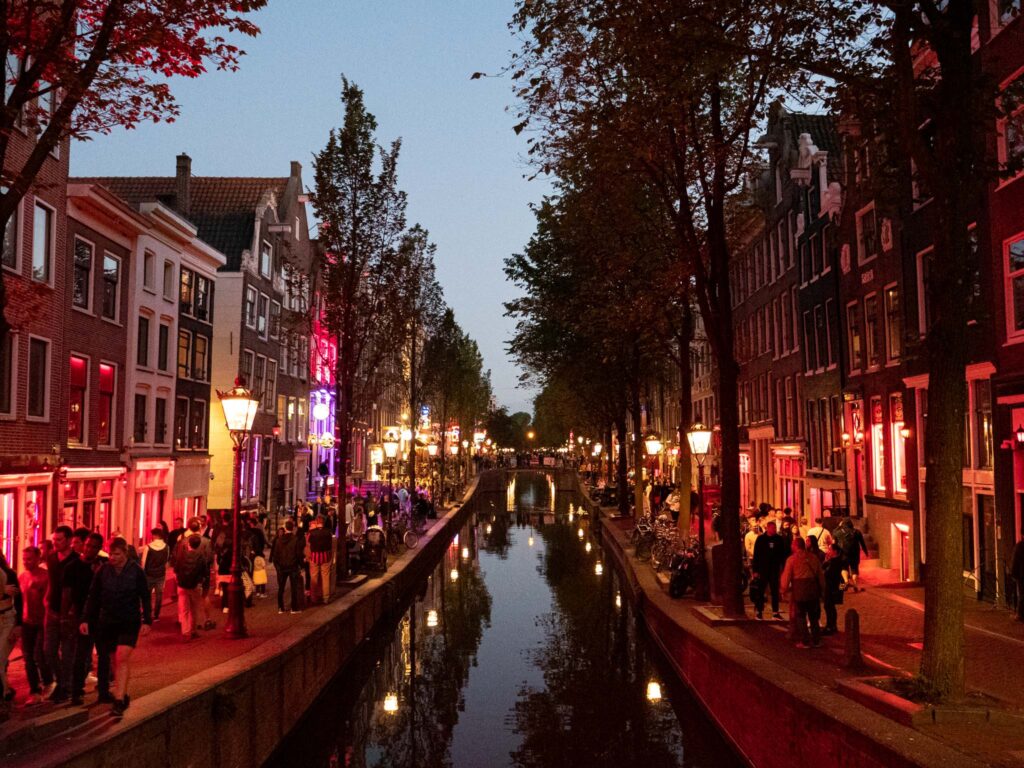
222 207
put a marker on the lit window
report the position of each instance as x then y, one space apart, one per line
105 423
185 294
983 442
184 354
200 367
77 399
899 443
877 446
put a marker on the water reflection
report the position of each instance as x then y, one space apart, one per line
518 651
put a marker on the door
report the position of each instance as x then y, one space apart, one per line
987 545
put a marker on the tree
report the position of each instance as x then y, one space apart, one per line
78 68
362 223
636 78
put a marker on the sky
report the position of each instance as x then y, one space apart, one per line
461 163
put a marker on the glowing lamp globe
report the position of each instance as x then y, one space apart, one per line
653 691
653 444
432 449
390 445
699 438
320 411
431 618
239 407
391 703
465 443
453 449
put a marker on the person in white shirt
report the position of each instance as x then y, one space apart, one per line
821 533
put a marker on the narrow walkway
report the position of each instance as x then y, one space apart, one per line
163 658
892 631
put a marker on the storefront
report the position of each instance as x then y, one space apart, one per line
151 490
25 518
91 497
789 477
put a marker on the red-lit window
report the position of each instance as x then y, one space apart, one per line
877 446
79 381
899 444
105 431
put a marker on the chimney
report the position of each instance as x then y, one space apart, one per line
182 176
296 169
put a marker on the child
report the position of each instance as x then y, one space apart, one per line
259 575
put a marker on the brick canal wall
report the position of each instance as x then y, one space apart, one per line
235 714
774 717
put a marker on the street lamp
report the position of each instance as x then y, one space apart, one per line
699 438
390 452
239 406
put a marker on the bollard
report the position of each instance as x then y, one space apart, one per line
853 657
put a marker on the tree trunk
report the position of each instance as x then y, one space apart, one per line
343 440
685 465
623 479
638 454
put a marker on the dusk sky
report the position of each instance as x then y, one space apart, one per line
461 163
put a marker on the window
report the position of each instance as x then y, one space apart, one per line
250 307
185 293
181 423
77 400
877 446
160 436
259 376
830 330
983 442
790 405
820 337
184 354
200 367
142 350
924 317
163 342
899 443
82 270
203 306
785 323
1008 10
169 281
853 332
303 357
261 315
111 282
7 377
796 330
871 330
38 378
893 324
867 234
149 271
105 414
139 418
1015 285
42 244
266 258
247 366
9 257
809 348
198 424
270 393
275 319
817 256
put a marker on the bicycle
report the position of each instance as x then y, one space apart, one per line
643 539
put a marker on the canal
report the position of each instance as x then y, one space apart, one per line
518 650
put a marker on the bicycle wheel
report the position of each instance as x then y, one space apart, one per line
659 555
411 539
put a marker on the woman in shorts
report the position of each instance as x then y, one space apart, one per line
116 613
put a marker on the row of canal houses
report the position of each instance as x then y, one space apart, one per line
830 315
133 300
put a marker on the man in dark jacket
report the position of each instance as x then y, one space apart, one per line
77 580
287 556
58 640
191 569
769 558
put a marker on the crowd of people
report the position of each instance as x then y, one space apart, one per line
810 566
81 603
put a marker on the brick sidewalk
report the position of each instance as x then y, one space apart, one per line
163 658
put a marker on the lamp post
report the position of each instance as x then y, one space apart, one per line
653 446
391 453
699 438
239 406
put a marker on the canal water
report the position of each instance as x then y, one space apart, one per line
519 650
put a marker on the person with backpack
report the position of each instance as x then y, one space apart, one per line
287 555
191 568
154 558
851 542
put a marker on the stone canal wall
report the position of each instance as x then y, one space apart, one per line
774 717
235 714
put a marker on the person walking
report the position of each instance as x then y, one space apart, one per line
116 613
195 528
58 643
852 543
835 586
190 569
821 533
154 559
804 579
33 582
767 563
321 553
78 578
1017 572
287 555
9 589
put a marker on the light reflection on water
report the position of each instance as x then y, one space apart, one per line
515 652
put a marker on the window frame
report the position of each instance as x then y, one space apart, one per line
47 377
145 418
148 274
83 439
12 383
183 444
172 284
858 219
116 319
158 424
14 221
184 333
855 331
871 337
112 426
87 307
139 336
50 244
205 426
266 247
1012 333
163 347
252 297
888 313
203 373
263 315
